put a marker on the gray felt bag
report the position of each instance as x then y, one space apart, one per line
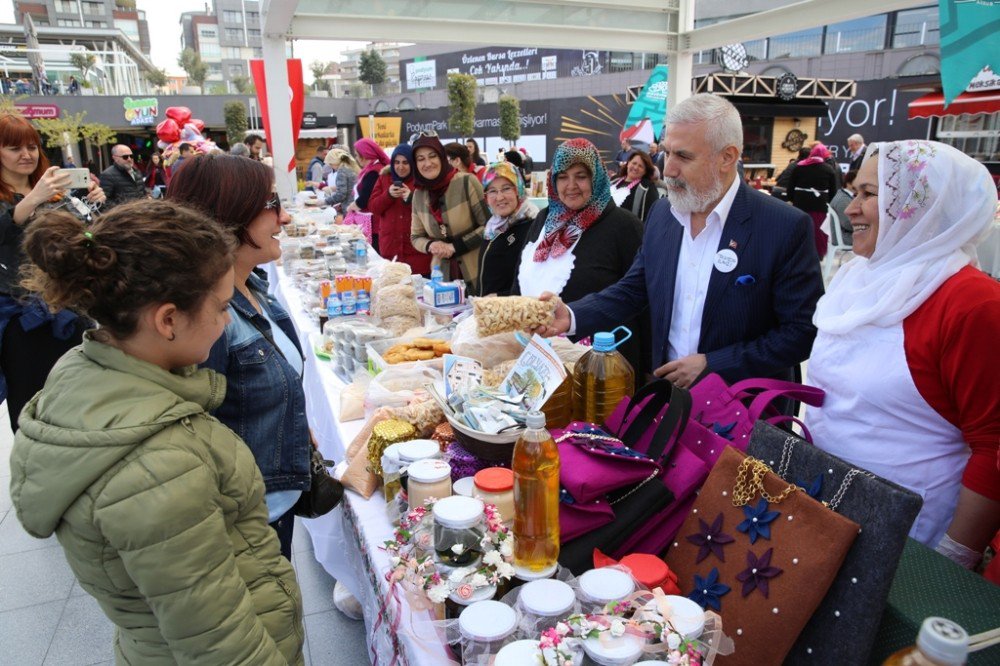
843 629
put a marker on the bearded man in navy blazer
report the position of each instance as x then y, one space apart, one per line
730 275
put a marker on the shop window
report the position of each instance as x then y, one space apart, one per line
916 27
406 104
796 44
975 135
757 140
864 34
920 65
621 61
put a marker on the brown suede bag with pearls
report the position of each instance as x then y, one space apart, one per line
764 566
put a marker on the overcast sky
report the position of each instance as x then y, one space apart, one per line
165 34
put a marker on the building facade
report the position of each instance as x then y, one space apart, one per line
100 14
226 37
350 67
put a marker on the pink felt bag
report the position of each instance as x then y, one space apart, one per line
360 219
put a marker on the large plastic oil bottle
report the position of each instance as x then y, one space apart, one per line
601 378
536 498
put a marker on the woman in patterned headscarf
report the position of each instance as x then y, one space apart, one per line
582 242
906 349
506 230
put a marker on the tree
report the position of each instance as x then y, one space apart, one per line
70 128
83 61
244 85
371 69
190 61
510 118
235 113
157 77
218 89
462 100
318 70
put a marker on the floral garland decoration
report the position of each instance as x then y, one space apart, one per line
557 646
418 571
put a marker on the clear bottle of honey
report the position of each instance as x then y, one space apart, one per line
536 497
601 378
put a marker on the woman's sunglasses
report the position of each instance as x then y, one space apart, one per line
274 203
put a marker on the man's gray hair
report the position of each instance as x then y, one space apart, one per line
723 125
239 149
855 138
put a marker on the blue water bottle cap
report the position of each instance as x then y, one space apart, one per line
604 342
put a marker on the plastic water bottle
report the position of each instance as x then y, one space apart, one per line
334 307
349 303
436 274
361 253
536 497
364 304
601 378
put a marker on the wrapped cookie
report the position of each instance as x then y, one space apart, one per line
500 314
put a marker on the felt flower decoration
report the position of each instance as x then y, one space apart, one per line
710 539
758 572
814 488
724 430
758 521
708 591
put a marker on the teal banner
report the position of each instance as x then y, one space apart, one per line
651 103
970 40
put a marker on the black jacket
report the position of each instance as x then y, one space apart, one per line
122 185
812 186
498 259
641 199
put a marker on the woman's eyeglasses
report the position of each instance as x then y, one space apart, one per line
274 203
500 191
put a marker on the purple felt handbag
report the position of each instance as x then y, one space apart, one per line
593 464
686 432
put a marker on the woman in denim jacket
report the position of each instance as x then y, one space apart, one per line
259 351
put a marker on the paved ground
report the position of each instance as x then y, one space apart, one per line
46 619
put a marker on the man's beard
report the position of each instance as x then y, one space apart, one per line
686 200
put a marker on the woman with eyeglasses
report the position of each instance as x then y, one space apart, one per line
390 202
449 212
31 337
506 230
259 351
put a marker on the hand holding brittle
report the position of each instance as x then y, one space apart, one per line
511 313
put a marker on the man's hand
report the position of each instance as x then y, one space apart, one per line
560 322
684 371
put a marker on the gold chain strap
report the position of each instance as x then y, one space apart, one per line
750 480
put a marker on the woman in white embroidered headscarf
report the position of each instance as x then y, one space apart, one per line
906 349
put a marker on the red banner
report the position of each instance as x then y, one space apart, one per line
296 98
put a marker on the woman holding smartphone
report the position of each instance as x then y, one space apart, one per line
390 202
31 337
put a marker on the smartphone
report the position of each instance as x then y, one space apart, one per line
78 178
397 183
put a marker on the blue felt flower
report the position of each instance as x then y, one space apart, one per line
708 591
758 572
710 539
724 430
814 488
758 521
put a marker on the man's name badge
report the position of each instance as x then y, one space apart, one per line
725 261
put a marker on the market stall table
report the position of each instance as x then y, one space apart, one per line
346 542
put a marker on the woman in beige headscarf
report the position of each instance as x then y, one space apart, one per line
340 183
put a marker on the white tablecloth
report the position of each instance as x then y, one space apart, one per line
346 541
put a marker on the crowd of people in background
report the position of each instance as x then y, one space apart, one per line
633 242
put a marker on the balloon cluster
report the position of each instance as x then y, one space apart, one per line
180 127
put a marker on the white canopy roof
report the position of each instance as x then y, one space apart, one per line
655 26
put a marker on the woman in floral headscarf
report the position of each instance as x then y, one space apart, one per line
582 242
506 230
906 349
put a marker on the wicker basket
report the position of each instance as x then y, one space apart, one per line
483 445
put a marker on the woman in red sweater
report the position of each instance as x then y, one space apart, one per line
906 349
390 202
